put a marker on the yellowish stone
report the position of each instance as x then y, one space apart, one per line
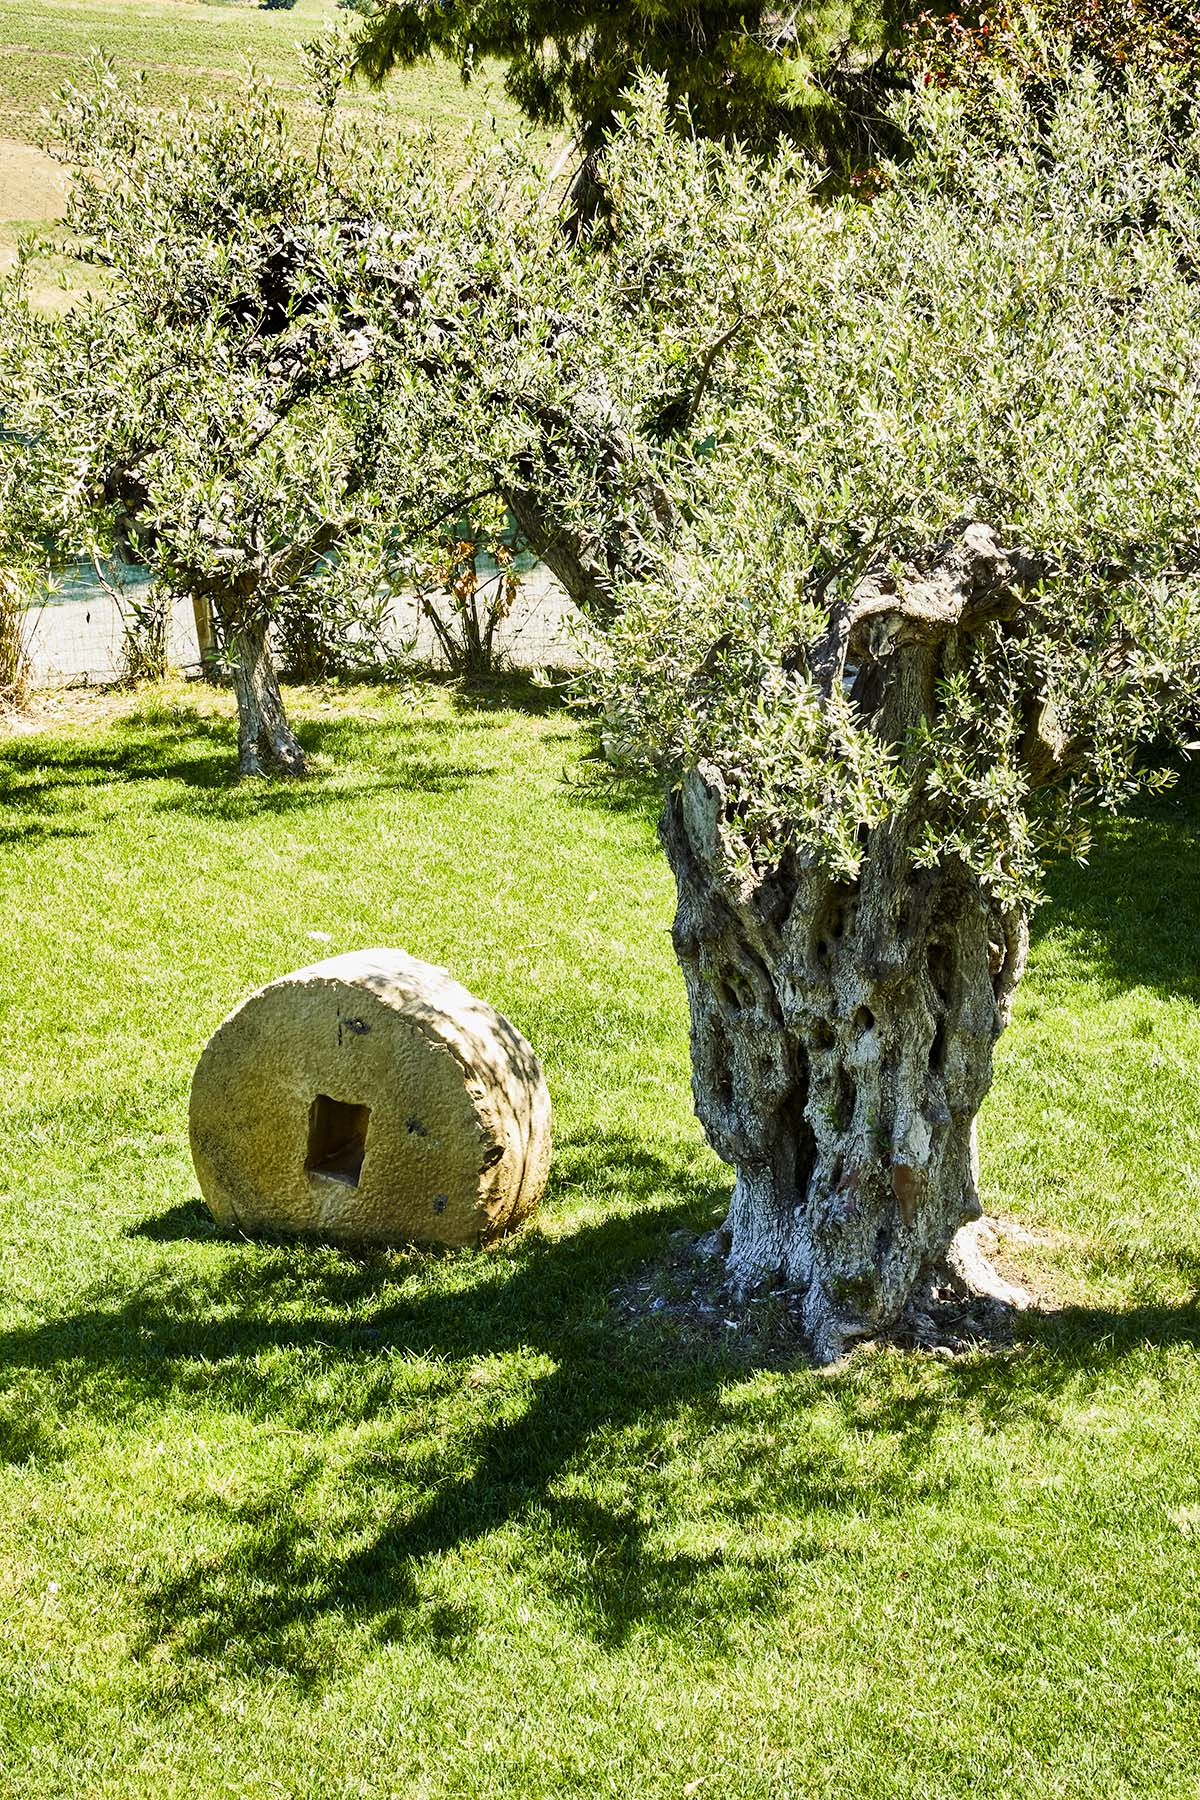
370 1097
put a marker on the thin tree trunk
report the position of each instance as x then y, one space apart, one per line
206 637
266 743
842 1041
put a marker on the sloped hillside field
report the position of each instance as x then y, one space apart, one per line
183 50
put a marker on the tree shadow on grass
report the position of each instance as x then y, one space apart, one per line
1132 912
190 1220
1068 1348
1081 1336
30 831
194 749
47 782
429 1404
509 690
601 789
537 694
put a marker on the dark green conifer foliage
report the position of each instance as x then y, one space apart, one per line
811 72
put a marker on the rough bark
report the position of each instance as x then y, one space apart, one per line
266 743
842 1039
842 1032
638 511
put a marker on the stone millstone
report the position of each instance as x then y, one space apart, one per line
370 1097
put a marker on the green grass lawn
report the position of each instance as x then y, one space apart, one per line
190 50
281 1520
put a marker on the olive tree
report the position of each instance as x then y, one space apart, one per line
889 516
212 405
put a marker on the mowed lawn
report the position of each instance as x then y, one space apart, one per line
282 1520
191 50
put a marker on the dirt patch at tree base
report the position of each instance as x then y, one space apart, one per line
684 1298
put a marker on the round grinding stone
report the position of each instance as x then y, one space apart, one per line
370 1097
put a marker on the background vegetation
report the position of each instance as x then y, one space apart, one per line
185 47
193 48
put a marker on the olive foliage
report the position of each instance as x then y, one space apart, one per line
729 406
885 519
1009 334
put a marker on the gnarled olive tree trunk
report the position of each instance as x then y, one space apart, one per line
842 1040
267 744
842 1032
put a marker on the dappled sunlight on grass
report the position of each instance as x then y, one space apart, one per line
1128 918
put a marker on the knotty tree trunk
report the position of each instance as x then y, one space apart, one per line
266 743
842 1032
842 1040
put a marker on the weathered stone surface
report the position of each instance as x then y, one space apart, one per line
370 1097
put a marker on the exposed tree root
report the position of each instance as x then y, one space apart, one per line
966 1305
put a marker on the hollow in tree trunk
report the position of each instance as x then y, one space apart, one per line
266 743
842 1032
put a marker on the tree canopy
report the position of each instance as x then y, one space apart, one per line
747 405
822 74
211 405
890 515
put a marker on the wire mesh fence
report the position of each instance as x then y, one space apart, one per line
76 633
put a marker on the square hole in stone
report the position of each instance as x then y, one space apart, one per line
337 1139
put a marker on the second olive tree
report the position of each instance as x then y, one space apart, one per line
212 407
